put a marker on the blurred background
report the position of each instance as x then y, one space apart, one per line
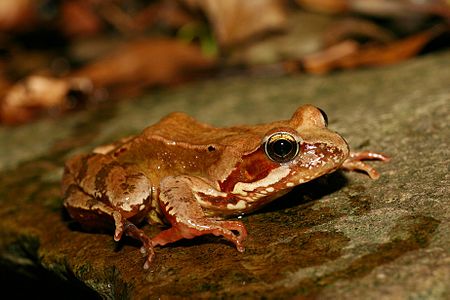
60 56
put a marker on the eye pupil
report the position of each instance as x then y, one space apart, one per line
281 147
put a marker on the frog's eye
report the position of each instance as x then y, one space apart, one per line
325 117
281 147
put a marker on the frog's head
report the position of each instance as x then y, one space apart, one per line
288 154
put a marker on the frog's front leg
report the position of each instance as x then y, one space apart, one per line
178 200
355 162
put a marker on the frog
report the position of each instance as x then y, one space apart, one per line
193 178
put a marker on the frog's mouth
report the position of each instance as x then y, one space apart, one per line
248 197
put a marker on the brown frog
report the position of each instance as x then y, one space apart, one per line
190 175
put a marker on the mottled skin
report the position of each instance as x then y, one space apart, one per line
189 174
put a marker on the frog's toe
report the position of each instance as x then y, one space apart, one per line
228 229
355 162
236 226
150 253
361 167
119 223
233 231
368 155
238 244
147 247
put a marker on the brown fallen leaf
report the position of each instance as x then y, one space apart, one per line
17 14
326 60
325 6
400 9
5 85
146 62
167 13
348 54
236 21
380 8
36 95
78 18
351 28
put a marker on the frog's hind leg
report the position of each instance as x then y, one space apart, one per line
89 212
183 211
93 214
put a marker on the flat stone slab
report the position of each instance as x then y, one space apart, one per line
341 236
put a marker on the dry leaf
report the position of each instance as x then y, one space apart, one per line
78 18
236 21
349 54
380 8
326 60
304 36
31 97
4 86
17 14
400 9
146 62
168 13
325 6
350 28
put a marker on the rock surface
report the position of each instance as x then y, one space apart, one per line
342 236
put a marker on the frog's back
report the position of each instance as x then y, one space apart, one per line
179 144
181 128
